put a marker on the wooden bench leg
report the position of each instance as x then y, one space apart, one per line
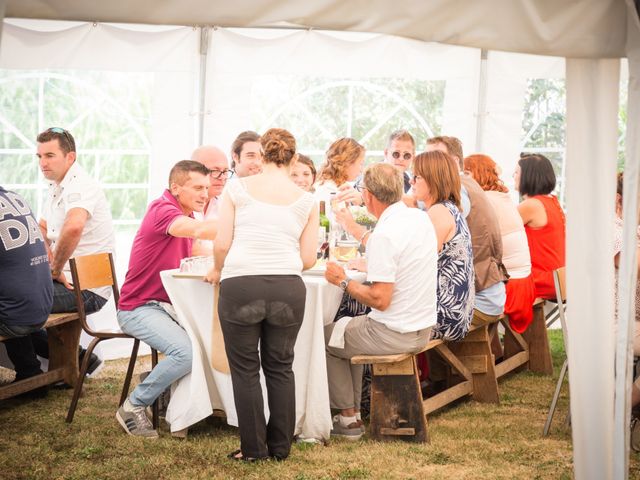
474 351
64 340
538 341
396 402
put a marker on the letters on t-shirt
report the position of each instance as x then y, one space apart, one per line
21 227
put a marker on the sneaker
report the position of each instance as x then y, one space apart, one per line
134 420
351 432
635 434
94 361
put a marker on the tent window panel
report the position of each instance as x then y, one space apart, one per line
108 113
319 110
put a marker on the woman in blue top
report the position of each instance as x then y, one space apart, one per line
436 182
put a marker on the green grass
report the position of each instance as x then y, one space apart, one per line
469 440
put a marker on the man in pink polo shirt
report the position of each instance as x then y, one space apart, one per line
144 310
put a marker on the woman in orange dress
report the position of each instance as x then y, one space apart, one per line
543 218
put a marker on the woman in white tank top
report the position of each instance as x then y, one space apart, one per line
267 236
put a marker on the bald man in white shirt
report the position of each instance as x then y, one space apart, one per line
216 161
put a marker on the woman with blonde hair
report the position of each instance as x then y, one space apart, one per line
436 182
345 158
515 249
268 229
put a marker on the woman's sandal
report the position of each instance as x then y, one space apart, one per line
238 456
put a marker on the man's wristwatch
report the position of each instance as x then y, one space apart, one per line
343 284
56 273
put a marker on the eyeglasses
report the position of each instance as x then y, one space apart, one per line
360 187
405 156
218 174
415 178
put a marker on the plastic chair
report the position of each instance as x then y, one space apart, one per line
560 284
93 271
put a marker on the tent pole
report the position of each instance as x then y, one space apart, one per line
3 5
592 107
628 270
202 77
481 115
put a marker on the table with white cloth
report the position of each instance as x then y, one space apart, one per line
195 396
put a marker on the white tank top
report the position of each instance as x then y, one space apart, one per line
266 237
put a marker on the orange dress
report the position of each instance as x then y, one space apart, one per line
547 247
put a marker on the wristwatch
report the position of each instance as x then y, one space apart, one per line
343 284
56 273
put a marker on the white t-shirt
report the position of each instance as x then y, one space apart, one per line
402 250
266 237
79 190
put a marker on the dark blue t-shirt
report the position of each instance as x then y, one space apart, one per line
26 288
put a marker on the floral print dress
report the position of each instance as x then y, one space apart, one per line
456 291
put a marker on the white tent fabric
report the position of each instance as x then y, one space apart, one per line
628 270
594 29
591 168
236 59
588 28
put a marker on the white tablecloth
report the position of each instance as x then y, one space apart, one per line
197 394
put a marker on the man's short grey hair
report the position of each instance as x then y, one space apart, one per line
385 182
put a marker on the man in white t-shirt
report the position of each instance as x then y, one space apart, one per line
76 221
401 291
216 161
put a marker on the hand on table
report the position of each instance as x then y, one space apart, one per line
213 277
334 273
346 193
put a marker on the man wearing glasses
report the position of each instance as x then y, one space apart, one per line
401 148
216 161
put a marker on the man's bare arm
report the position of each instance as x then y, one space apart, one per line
67 242
187 227
377 295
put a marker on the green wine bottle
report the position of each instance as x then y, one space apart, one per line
324 221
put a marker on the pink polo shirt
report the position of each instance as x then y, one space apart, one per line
153 250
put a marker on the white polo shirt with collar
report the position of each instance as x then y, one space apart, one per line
210 213
79 190
402 250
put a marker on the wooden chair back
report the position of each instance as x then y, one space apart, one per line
92 271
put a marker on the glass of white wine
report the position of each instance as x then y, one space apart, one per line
344 250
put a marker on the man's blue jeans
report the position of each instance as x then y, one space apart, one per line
151 324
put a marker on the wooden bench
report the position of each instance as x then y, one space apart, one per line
538 341
398 410
63 330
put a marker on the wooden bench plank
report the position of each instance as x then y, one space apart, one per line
63 332
441 399
511 363
538 342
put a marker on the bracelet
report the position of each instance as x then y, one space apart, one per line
366 232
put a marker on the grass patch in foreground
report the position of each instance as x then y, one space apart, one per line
469 440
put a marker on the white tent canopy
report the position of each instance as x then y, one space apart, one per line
592 35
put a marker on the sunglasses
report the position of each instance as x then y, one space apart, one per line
405 156
62 131
218 174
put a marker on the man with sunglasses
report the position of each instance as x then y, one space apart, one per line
76 221
400 150
216 161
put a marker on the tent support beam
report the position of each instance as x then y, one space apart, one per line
202 81
481 115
